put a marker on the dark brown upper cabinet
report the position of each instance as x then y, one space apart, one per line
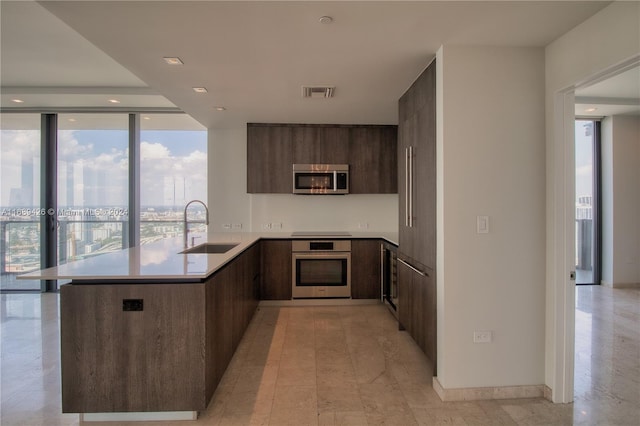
373 160
269 158
370 151
320 145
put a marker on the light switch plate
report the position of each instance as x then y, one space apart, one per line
482 336
482 224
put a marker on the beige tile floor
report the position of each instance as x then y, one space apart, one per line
342 366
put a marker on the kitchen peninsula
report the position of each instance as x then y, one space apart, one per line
150 329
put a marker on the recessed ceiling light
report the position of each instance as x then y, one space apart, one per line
73 120
200 89
592 109
114 101
325 19
220 108
173 60
146 117
18 101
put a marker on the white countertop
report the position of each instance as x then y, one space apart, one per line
162 260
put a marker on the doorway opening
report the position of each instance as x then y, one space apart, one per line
588 232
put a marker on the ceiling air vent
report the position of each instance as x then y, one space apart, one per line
317 91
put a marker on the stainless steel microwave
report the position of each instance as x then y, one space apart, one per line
320 179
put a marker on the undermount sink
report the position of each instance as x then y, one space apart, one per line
210 248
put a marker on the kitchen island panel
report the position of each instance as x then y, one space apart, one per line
128 361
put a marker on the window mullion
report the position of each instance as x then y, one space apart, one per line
134 181
49 196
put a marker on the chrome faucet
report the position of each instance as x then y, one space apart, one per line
185 223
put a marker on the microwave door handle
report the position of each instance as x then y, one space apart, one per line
335 180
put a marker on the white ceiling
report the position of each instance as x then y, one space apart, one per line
617 95
253 57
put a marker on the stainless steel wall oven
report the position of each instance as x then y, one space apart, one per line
321 269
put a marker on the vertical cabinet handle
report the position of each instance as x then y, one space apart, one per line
411 187
406 187
382 272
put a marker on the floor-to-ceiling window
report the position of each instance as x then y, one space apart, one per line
90 168
173 171
93 168
587 190
19 199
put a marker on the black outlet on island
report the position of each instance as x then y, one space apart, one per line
132 304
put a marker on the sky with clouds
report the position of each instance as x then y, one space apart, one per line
93 167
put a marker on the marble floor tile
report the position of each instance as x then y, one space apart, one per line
340 366
342 418
339 398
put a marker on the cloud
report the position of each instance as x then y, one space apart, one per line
171 180
154 151
69 149
102 177
586 170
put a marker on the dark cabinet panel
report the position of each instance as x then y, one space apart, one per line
405 297
143 360
269 159
276 270
373 160
320 145
417 307
370 151
417 211
417 170
168 354
365 269
231 298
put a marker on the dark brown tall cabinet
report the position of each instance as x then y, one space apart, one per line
417 197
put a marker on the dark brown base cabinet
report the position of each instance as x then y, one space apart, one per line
276 270
417 302
365 269
166 352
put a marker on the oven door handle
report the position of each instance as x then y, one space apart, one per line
322 255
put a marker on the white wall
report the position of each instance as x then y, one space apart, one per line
610 37
229 202
491 161
621 200
227 188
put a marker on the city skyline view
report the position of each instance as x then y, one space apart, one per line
93 187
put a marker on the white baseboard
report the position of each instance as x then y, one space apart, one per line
319 302
619 285
484 393
139 416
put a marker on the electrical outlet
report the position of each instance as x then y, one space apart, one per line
276 225
266 226
482 336
482 224
237 226
363 225
226 225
